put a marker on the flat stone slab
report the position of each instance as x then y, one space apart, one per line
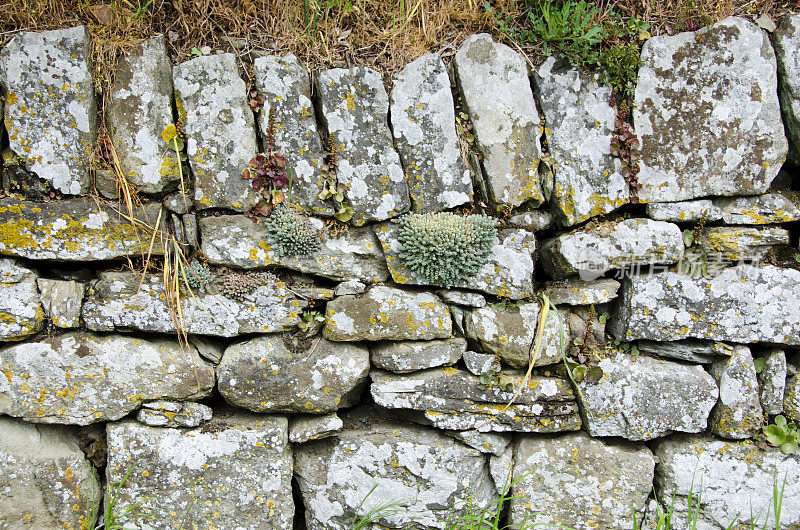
75 230
79 378
641 398
198 476
462 298
497 93
738 415
174 414
410 356
121 300
580 126
21 313
491 443
693 351
62 301
237 241
706 111
50 105
220 130
684 211
306 427
770 208
735 243
787 50
386 313
454 399
263 375
423 124
355 111
508 272
578 292
742 304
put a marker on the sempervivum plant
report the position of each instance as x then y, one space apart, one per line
290 233
444 248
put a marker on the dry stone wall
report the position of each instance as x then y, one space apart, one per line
281 390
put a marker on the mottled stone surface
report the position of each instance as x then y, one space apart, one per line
462 298
742 304
501 468
386 313
174 414
592 251
220 130
45 480
494 84
350 287
139 109
50 105
236 474
430 473
580 482
736 243
772 207
706 111
787 49
80 378
772 382
641 398
355 111
580 125
306 427
508 272
738 413
534 220
123 300
285 86
737 482
693 351
239 242
423 123
62 301
21 314
791 399
263 375
409 356
486 442
454 399
684 211
578 292
481 363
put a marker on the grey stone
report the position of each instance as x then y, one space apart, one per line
50 105
179 203
791 398
575 291
125 300
423 123
501 468
684 211
454 399
693 351
239 242
409 356
706 111
106 183
592 251
62 301
508 272
305 428
286 88
741 304
355 111
738 413
458 319
75 230
580 482
220 131
641 398
463 298
80 378
21 314
772 382
235 471
735 243
208 349
481 363
535 221
190 230
772 207
264 375
386 313
736 481
486 442
494 83
350 287
46 482
787 50
580 125
139 109
432 475
174 414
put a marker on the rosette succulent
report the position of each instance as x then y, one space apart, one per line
290 233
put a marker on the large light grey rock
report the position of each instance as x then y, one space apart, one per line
122 300
409 356
494 84
772 382
741 304
684 211
263 375
80 378
454 399
46 482
707 113
235 240
220 130
62 301
50 105
286 88
355 111
234 472
592 251
641 398
738 413
772 207
580 482
386 313
432 475
21 314
423 123
735 243
737 482
578 292
508 272
787 49
139 109
580 124
306 427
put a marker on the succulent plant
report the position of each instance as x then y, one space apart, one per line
444 248
198 275
239 285
290 233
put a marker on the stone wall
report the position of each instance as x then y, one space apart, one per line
233 406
